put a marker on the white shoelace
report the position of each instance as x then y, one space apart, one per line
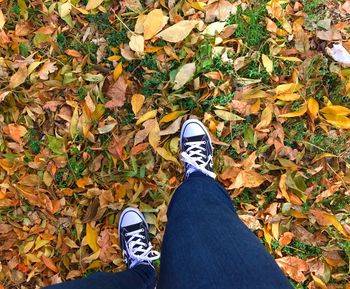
137 251
197 163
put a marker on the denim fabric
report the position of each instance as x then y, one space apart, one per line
205 246
139 277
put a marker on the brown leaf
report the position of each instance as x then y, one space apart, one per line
117 92
293 267
47 68
220 10
49 263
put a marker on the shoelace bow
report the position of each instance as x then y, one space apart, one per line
194 156
137 249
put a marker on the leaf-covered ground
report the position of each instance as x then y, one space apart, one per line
92 97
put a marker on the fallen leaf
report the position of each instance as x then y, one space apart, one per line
47 68
16 132
49 264
117 92
167 155
178 31
153 23
92 4
267 62
172 116
148 115
220 10
312 107
336 110
154 136
91 238
137 43
227 116
19 77
2 20
297 113
185 73
338 121
137 101
293 267
118 71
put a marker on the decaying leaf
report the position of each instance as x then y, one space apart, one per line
184 75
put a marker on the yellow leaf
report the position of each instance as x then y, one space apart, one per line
198 5
267 236
322 156
23 8
91 238
73 127
118 71
288 96
290 58
312 107
173 115
2 20
39 243
167 155
19 77
153 23
319 283
184 75
178 31
154 136
137 43
287 88
81 10
92 4
297 113
114 58
228 116
338 121
147 116
266 118
336 110
336 224
137 102
267 62
283 187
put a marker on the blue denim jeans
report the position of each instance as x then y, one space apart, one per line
205 246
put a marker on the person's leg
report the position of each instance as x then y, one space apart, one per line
206 245
139 277
137 253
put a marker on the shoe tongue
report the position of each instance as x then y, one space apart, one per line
195 138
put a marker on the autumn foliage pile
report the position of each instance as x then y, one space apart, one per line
92 97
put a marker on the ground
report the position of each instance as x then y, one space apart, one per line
92 97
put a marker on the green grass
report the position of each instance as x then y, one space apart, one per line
302 250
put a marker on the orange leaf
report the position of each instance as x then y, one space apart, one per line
73 53
81 183
50 264
118 71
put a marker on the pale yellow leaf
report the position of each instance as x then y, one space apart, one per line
266 118
288 96
91 238
312 107
338 121
172 116
140 22
167 155
118 71
64 9
2 20
178 31
214 28
137 101
227 116
137 43
297 113
289 58
267 62
336 110
153 23
148 115
73 127
92 4
154 135
322 156
184 75
19 77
